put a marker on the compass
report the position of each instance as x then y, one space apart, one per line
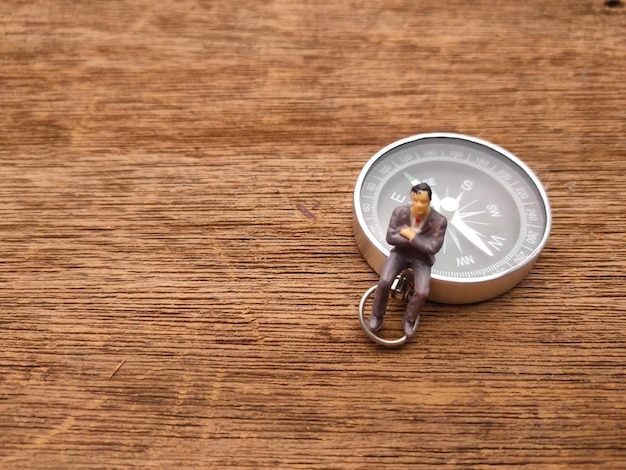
498 212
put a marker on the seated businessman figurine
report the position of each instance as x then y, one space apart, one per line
416 232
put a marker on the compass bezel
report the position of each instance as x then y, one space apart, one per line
446 289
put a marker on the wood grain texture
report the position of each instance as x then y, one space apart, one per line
179 278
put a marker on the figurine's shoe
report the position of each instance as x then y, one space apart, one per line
375 323
409 326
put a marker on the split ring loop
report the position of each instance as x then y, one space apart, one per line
370 333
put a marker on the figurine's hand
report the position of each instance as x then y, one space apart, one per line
408 233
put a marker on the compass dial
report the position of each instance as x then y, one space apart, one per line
498 213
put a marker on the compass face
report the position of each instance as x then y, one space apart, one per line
498 213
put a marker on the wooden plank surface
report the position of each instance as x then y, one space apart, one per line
179 278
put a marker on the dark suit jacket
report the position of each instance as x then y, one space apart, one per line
425 244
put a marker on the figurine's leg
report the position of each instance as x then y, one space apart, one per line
421 289
393 265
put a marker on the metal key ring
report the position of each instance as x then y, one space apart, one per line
370 333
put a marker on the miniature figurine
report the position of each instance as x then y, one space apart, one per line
416 232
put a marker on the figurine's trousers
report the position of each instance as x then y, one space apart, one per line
397 262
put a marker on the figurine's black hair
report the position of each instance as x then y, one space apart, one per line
422 187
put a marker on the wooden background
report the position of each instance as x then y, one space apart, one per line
178 274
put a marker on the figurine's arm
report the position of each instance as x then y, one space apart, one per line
431 242
395 227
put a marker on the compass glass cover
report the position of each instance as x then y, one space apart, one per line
497 211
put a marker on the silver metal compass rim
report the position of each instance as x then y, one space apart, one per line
467 290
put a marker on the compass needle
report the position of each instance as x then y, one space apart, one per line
455 239
464 215
470 234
